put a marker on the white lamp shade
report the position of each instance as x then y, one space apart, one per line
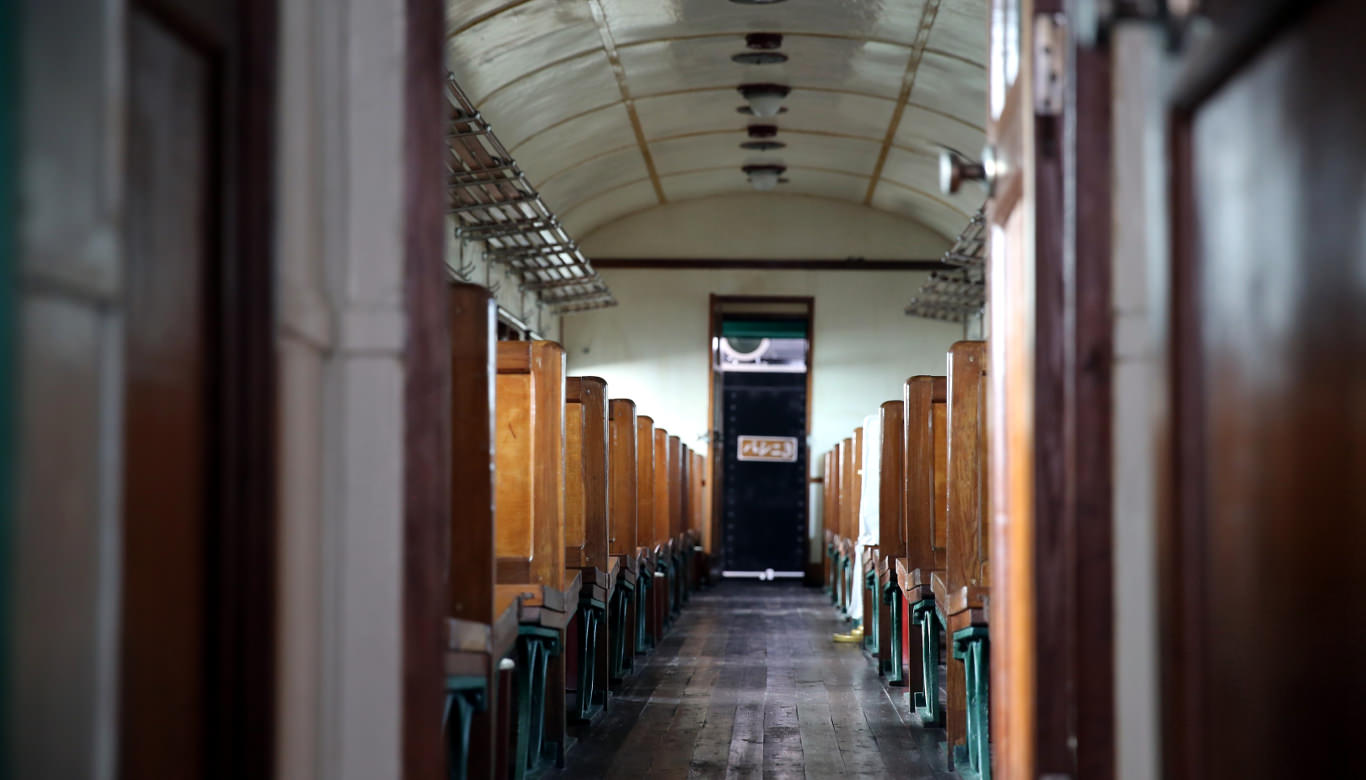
765 103
763 181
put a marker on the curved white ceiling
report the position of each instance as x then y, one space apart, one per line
615 106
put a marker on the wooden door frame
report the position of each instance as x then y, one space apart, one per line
713 434
1179 422
241 523
427 383
1069 591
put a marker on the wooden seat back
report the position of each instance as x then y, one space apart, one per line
925 469
530 473
659 534
968 540
645 482
586 488
470 592
622 466
892 484
677 474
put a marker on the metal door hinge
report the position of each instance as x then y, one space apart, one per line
1050 63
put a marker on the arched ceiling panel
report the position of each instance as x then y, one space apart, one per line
961 28
574 143
615 106
549 97
931 212
950 85
514 43
607 207
927 129
583 182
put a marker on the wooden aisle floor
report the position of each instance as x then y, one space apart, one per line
748 684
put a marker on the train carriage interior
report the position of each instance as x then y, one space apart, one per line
510 389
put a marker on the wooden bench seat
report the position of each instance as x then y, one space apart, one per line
622 465
660 541
891 543
530 535
481 623
586 545
647 587
925 469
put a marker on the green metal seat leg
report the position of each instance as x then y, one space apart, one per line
831 571
972 646
591 614
464 697
926 700
891 667
643 640
870 632
536 645
616 632
839 582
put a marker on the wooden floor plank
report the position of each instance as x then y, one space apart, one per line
747 684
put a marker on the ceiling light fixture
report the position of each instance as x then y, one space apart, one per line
761 131
764 99
762 41
763 146
764 177
747 111
759 58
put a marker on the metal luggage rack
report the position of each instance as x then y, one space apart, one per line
959 291
493 202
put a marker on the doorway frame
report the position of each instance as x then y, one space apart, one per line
715 302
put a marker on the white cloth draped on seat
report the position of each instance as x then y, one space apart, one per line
868 515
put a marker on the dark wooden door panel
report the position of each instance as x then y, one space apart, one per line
1270 337
166 454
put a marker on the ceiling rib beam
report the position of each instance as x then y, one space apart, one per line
922 37
619 71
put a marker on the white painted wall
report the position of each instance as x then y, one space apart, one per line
341 344
653 346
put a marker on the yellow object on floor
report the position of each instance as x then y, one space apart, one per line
853 636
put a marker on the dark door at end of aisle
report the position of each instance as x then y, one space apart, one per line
764 500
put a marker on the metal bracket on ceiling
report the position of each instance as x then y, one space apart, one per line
491 200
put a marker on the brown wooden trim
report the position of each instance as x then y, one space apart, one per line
740 264
426 438
1090 413
241 723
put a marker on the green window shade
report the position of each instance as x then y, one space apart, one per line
763 329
